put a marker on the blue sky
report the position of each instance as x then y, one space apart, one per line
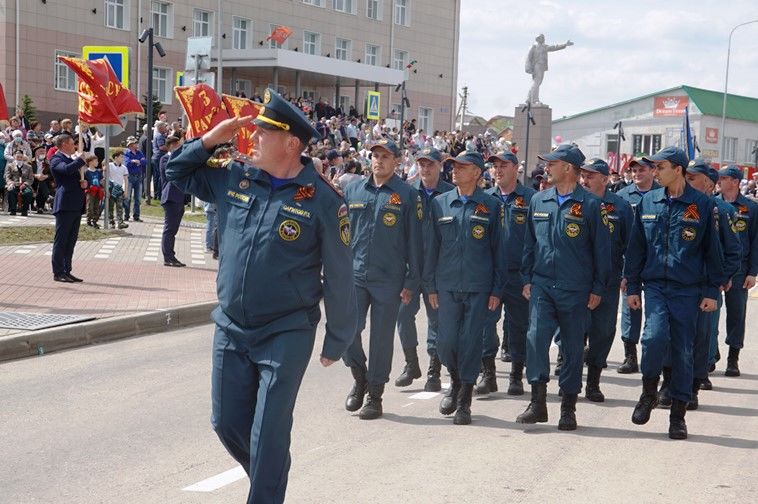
622 50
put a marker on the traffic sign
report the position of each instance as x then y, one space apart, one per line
372 105
117 56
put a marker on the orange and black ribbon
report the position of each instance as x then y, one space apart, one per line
304 192
481 209
692 213
395 199
576 210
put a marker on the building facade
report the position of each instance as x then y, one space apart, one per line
656 120
338 50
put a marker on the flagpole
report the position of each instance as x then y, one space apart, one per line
107 177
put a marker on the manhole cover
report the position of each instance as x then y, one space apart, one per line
36 321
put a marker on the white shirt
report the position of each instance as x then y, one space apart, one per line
117 173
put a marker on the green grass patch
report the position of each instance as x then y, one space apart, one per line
19 235
155 210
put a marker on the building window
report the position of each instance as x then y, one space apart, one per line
315 3
65 78
374 9
202 22
751 150
400 60
311 43
397 110
402 12
242 29
163 19
730 149
611 143
424 119
344 104
272 44
342 49
243 85
373 54
309 95
162 84
346 6
116 14
646 144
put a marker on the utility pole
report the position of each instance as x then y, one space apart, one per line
464 99
620 127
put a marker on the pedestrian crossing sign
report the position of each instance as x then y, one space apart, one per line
180 78
117 56
372 105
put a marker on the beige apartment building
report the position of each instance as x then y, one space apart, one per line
339 49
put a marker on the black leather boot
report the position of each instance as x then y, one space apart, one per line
433 382
648 401
558 364
373 407
449 402
515 385
488 381
693 404
463 413
706 384
677 427
732 362
630 364
411 371
568 412
536 412
592 391
664 397
354 399
505 354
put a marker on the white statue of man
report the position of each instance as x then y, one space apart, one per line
536 65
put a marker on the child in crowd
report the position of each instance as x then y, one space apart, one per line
118 180
94 177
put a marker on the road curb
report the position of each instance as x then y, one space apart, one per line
30 343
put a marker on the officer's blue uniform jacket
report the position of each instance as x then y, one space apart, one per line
672 240
567 246
620 218
729 237
273 246
746 224
516 208
386 224
465 251
632 195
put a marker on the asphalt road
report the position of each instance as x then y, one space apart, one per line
128 422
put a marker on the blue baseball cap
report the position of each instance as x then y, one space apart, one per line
698 165
565 152
674 155
504 156
276 113
597 165
641 162
430 153
468 158
733 171
713 174
388 145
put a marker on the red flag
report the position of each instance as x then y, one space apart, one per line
202 106
95 107
241 107
280 34
123 100
3 105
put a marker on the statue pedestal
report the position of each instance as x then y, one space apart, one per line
540 134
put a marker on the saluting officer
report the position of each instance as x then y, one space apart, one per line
516 198
385 218
429 185
565 269
746 224
602 327
463 274
631 320
674 254
702 177
280 224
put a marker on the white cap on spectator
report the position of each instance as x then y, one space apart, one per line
17 133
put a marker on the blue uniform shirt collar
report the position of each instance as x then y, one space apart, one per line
417 185
577 195
306 176
394 183
688 196
478 196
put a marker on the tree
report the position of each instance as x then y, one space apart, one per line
30 111
157 109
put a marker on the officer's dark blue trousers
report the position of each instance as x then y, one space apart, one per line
713 335
406 323
671 313
172 217
66 233
603 327
462 319
515 323
701 345
631 322
254 388
384 310
549 309
735 300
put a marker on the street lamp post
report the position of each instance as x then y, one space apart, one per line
147 35
726 84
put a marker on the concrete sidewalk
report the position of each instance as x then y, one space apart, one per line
126 287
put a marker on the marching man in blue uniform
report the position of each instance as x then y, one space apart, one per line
515 198
565 271
602 328
429 185
386 217
675 256
279 225
463 274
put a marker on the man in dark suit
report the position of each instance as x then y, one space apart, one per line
172 201
67 206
